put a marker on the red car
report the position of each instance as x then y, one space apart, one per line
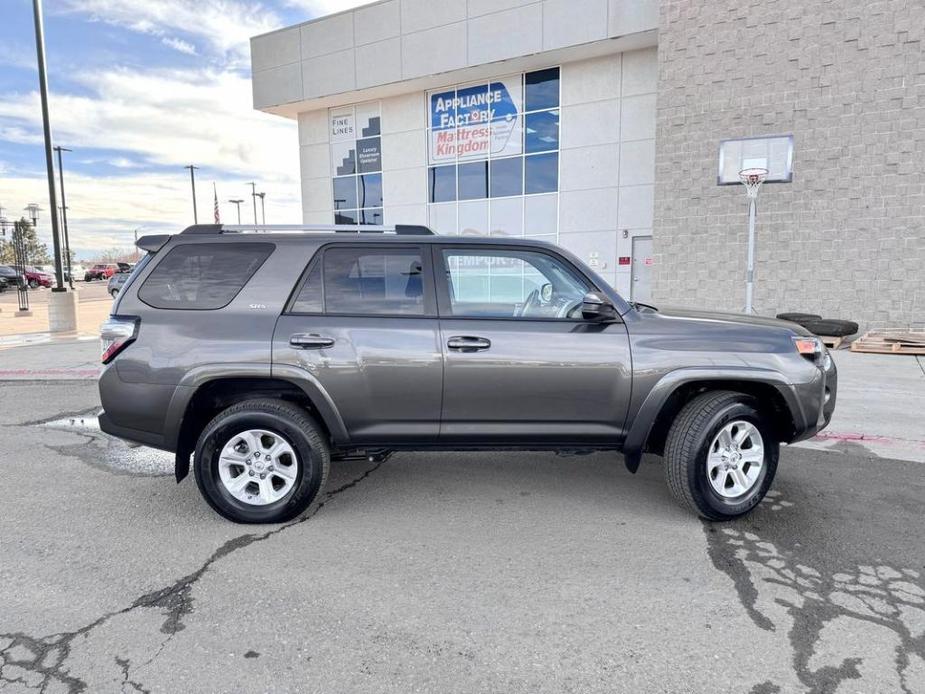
101 271
37 278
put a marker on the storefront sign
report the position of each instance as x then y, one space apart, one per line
342 127
475 122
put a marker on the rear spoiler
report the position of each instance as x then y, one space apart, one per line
153 243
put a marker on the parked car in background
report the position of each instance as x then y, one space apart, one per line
12 276
36 277
101 271
125 268
116 282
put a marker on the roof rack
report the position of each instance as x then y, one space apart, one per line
398 229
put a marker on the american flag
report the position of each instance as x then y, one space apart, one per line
218 218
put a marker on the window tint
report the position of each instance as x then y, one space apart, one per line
311 297
442 183
542 89
541 173
507 177
512 284
202 275
373 281
473 180
542 131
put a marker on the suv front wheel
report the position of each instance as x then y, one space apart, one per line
721 455
261 461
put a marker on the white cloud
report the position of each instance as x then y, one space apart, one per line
225 25
317 8
179 45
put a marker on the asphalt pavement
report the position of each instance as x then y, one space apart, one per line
450 572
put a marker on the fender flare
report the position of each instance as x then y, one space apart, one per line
208 373
634 444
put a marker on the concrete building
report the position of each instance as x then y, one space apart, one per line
596 124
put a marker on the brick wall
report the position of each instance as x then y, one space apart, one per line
847 237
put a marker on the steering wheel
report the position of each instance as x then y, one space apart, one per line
533 299
569 307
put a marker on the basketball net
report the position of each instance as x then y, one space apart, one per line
752 180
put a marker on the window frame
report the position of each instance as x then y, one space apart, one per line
427 279
236 244
442 276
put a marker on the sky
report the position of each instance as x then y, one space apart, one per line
138 90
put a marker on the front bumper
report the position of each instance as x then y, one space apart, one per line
816 402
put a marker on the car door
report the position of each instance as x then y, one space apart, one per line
521 365
363 324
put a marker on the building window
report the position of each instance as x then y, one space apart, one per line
356 164
495 141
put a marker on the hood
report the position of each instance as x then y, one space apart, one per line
732 319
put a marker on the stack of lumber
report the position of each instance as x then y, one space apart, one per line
890 342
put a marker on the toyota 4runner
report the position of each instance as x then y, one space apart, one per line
261 354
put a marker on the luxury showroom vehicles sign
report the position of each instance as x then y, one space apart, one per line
475 122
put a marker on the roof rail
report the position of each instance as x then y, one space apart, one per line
398 229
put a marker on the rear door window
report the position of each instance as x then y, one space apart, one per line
202 276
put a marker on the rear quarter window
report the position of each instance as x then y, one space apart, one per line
202 276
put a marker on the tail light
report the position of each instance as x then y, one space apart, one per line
116 334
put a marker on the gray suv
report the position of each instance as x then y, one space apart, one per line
261 354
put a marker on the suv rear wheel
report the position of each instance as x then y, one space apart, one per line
261 461
721 455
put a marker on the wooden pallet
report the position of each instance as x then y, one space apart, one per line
831 341
890 342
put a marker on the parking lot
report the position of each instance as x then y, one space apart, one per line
449 572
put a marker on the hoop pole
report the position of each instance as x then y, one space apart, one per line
750 265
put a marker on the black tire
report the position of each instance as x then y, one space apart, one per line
113 293
33 284
688 444
798 317
291 422
831 327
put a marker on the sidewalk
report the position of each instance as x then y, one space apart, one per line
880 406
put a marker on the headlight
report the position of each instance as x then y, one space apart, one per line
813 349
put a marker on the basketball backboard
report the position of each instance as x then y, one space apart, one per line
774 153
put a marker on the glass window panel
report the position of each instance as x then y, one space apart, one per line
506 177
346 217
371 216
370 190
310 299
343 158
345 193
473 180
541 215
542 89
441 181
373 281
509 284
473 218
442 218
368 122
369 155
542 131
507 136
541 173
507 217
202 276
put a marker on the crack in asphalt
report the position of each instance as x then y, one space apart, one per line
883 596
37 662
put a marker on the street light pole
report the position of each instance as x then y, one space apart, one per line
237 204
46 123
254 198
67 242
263 210
192 180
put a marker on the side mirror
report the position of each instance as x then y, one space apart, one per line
598 308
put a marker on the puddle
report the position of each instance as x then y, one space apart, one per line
106 452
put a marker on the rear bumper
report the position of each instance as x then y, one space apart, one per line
145 438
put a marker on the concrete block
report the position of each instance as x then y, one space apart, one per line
637 162
417 15
637 204
62 312
378 63
403 150
278 85
313 127
595 123
505 34
317 194
404 112
333 73
631 16
328 35
573 22
436 50
405 186
591 80
376 22
640 72
588 210
638 117
583 168
273 50
315 161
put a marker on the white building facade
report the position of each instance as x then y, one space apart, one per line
506 118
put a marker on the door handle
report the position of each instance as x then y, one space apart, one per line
468 343
305 341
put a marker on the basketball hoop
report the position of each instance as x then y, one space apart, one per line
752 179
